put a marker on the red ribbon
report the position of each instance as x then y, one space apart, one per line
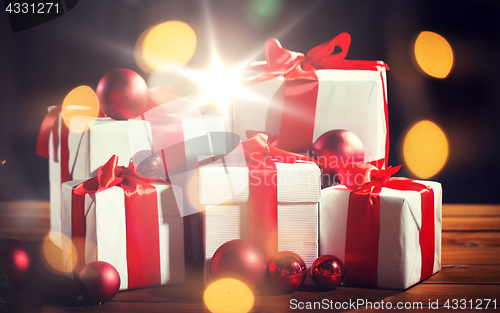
261 149
363 221
50 125
301 85
143 246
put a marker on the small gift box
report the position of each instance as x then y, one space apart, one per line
387 231
272 204
299 97
125 221
77 155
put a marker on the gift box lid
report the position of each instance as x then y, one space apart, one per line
297 182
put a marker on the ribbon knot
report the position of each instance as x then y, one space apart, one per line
261 149
365 176
295 65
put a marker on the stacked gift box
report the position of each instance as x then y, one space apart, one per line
386 231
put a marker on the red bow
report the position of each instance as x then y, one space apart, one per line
364 176
295 65
260 147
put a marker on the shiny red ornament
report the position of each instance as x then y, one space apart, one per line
14 260
336 148
99 281
287 270
328 271
147 165
123 94
239 259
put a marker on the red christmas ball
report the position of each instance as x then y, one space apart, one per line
123 94
287 270
14 260
336 148
328 271
239 259
147 165
99 281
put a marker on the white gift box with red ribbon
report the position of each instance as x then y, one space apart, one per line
350 95
397 262
105 236
225 197
78 155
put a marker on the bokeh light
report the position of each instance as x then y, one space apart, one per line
433 54
80 102
53 256
425 149
262 13
170 44
228 295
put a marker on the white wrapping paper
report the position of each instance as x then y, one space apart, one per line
224 196
102 138
352 100
106 232
399 255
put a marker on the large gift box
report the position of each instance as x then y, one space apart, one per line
131 224
276 209
75 155
301 97
387 231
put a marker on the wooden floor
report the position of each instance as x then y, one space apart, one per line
470 274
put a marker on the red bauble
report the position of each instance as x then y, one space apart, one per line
123 94
239 259
327 271
287 270
99 282
14 260
336 148
147 165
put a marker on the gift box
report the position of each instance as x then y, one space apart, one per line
131 224
299 98
78 155
233 198
388 233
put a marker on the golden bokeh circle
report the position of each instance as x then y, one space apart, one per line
433 54
425 149
228 295
167 44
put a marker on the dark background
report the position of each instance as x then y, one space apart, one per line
39 66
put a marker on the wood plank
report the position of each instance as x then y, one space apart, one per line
471 210
471 239
469 274
470 248
424 292
470 255
486 223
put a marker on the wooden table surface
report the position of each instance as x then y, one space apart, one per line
470 274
